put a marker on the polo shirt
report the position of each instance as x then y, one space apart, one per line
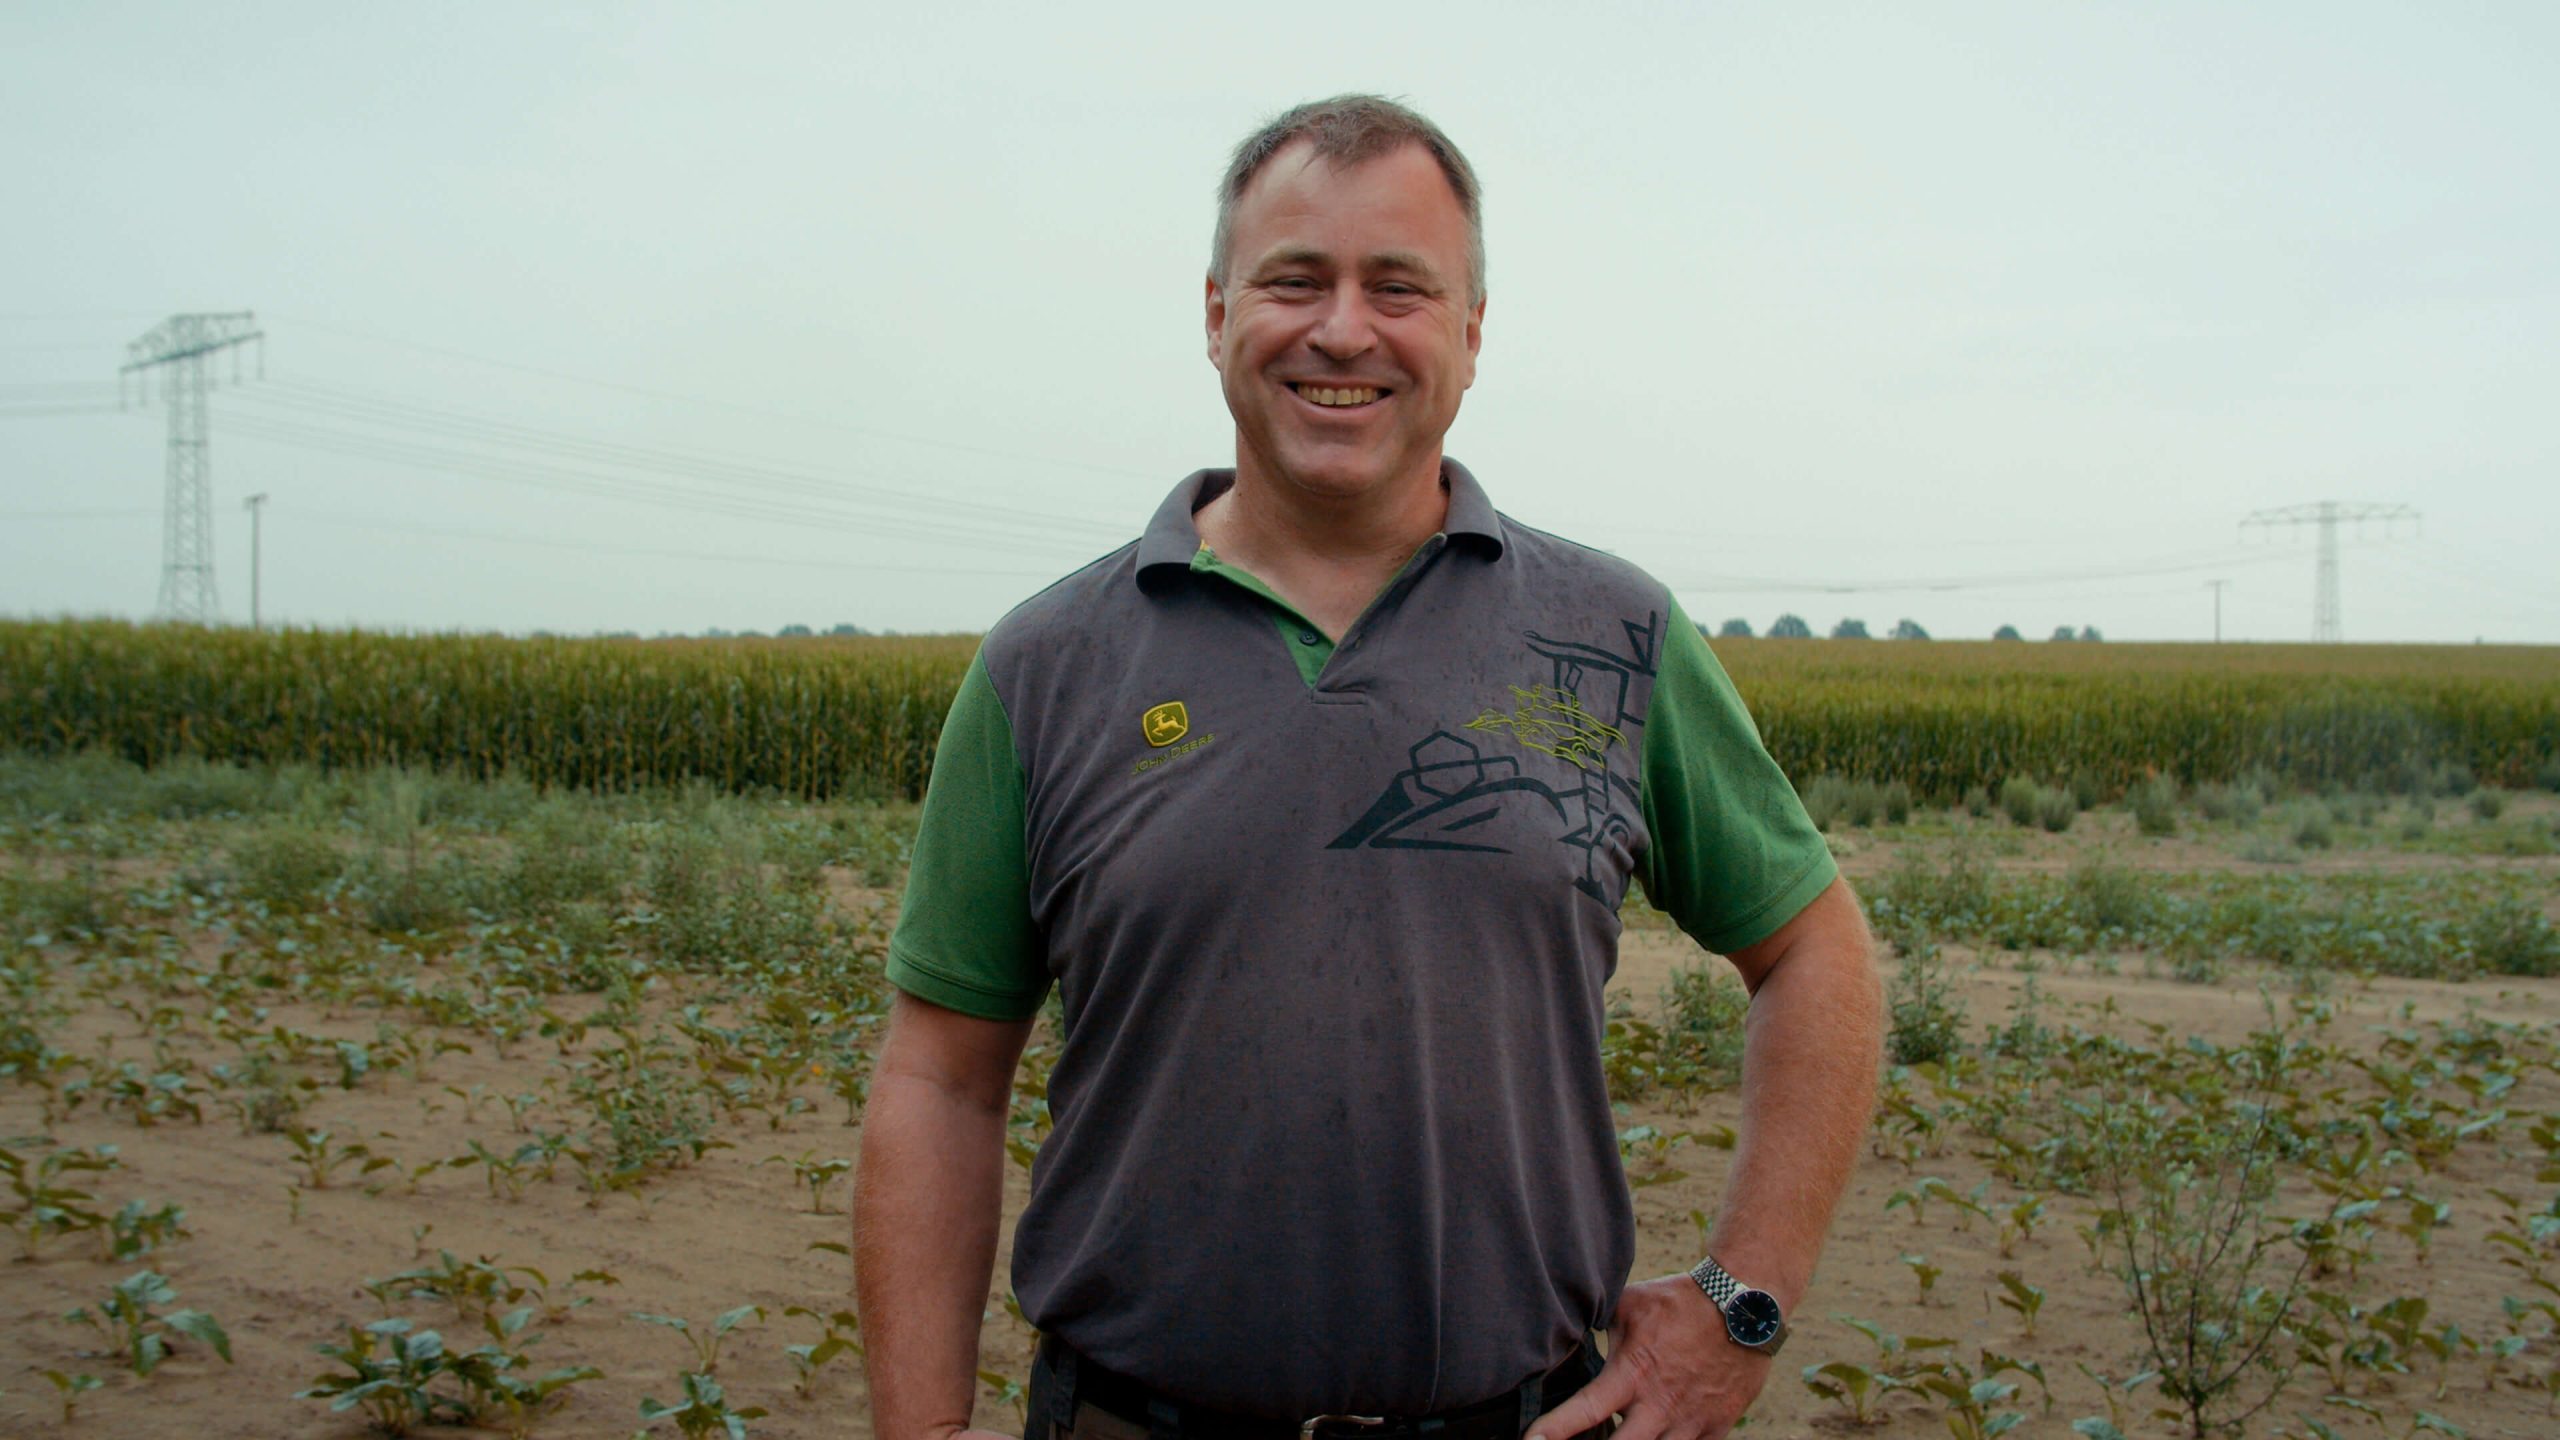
1331 925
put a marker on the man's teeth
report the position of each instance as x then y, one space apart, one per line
1322 396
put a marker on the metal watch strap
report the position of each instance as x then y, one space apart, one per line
1711 1277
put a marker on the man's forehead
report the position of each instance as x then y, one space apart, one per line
1259 206
1300 155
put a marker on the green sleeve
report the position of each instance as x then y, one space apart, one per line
1732 855
965 939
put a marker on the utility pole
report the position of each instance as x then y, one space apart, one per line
179 347
2214 585
256 506
2327 514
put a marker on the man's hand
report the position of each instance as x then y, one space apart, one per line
1673 1372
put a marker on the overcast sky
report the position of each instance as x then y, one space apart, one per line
659 317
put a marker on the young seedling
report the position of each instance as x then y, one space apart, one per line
705 1412
475 1288
133 1232
815 1173
320 1159
126 1317
1923 1272
494 1373
2022 1297
836 1330
706 1343
41 1205
2118 1394
71 1388
1847 1383
2018 1223
1930 1187
388 1370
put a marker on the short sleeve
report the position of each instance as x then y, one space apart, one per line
965 938
1732 855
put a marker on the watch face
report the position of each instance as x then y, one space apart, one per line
1752 1317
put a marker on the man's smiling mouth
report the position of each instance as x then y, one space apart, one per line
1338 397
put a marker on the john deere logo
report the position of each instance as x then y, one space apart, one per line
1165 723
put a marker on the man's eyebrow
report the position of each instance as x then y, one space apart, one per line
1401 260
1293 255
1407 261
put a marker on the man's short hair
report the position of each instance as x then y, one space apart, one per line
1349 130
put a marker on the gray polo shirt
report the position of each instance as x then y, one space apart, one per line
1331 926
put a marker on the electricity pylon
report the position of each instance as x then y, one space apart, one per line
180 347
2327 514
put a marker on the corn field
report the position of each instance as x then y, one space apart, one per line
809 718
824 717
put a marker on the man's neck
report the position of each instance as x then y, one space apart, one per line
1327 557
1262 518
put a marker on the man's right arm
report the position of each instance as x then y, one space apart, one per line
928 1200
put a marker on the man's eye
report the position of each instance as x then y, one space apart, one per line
1293 282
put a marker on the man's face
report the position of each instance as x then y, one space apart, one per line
1343 334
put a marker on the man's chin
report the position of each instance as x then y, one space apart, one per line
1339 477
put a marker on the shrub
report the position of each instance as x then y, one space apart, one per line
1824 797
1916 901
287 866
1856 802
2109 897
2488 804
2055 810
2018 797
2511 937
2311 829
1927 1017
2185 1183
2155 805
1897 802
1977 800
2239 802
1703 1013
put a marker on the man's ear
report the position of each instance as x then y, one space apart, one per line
1214 302
1475 340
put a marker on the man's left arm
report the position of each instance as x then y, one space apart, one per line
1810 1057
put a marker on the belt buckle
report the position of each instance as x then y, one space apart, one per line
1307 1427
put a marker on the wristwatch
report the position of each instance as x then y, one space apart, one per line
1751 1317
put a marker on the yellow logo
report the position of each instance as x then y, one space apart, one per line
1165 723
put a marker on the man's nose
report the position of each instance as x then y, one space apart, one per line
1346 327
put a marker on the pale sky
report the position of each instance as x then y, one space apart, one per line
665 317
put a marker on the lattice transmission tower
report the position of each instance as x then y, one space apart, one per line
2328 515
181 349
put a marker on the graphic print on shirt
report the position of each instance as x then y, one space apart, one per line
1577 723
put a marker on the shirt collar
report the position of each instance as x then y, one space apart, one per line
1173 537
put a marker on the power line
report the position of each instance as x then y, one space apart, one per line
648 552
874 432
334 403
2014 579
580 482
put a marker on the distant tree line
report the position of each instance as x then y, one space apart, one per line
1793 627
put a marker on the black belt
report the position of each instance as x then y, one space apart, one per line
1506 1416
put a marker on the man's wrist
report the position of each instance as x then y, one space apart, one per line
1753 1318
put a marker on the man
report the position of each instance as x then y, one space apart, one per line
1317 803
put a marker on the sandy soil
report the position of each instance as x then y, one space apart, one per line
282 1268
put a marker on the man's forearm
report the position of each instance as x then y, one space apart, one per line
928 1198
1810 1057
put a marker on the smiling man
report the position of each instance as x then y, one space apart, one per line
1317 804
